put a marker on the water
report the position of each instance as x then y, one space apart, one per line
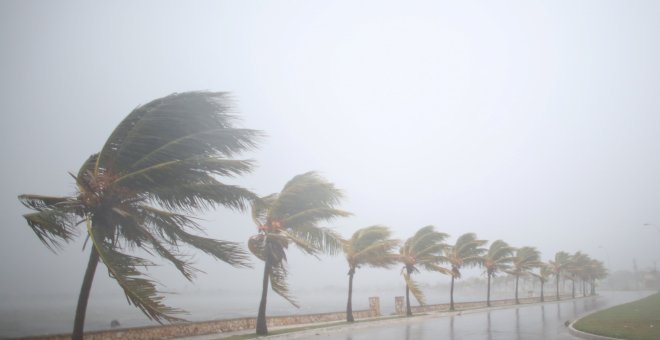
53 314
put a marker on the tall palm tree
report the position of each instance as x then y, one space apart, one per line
524 261
497 259
421 250
545 271
467 252
158 166
558 266
292 217
370 246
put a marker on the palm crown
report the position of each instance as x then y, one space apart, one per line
292 217
422 250
370 246
159 163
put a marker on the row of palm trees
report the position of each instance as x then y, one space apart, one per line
427 250
161 165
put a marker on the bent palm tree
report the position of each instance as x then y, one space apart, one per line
467 252
524 260
558 267
292 217
158 165
497 259
545 271
421 250
370 246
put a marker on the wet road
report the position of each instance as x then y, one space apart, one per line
540 321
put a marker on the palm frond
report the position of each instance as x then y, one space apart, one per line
278 274
139 290
414 288
322 239
201 196
436 268
182 171
174 127
312 216
52 227
261 207
55 218
379 254
229 252
303 192
171 227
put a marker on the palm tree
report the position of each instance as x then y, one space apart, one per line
158 165
292 216
421 250
595 271
370 246
466 252
578 265
558 266
497 259
524 260
545 271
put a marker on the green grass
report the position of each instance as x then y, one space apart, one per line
634 320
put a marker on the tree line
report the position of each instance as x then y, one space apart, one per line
163 164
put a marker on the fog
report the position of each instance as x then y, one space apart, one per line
533 122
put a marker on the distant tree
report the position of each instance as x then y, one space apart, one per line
159 164
578 265
370 246
497 259
543 275
421 250
292 217
595 271
558 266
525 259
467 252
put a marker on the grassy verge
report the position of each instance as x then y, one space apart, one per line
635 320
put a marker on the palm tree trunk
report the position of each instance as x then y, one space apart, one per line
517 302
488 295
349 304
408 309
557 287
451 294
573 288
542 298
81 309
262 328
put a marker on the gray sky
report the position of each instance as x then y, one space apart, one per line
534 122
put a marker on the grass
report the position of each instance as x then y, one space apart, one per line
635 320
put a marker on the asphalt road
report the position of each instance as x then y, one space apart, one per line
539 321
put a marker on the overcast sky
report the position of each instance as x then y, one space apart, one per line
533 122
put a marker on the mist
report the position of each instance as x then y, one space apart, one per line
535 123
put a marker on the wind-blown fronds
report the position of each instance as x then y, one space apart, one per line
371 246
168 153
498 258
175 127
292 217
277 276
140 291
55 219
414 288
